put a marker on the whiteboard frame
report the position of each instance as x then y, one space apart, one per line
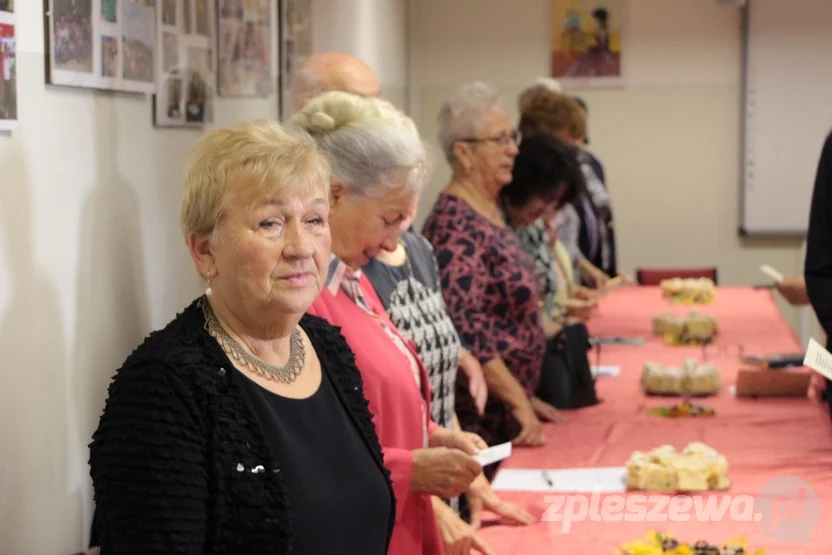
745 23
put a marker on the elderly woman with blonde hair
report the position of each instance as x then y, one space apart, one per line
379 167
242 426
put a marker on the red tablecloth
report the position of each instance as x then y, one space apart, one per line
762 439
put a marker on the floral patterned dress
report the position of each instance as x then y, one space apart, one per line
491 291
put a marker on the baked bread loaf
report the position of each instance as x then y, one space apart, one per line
697 468
667 324
690 290
695 328
688 379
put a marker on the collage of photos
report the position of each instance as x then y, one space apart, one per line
245 47
108 44
8 67
296 19
185 70
184 52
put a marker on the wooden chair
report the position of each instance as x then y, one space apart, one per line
654 276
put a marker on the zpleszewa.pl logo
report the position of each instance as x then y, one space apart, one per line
786 508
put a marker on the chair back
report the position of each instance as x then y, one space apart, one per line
654 276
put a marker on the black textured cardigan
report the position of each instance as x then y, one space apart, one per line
179 463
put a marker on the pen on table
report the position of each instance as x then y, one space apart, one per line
547 478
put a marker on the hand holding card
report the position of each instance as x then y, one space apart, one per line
771 272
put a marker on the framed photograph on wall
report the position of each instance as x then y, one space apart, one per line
102 44
8 67
245 39
296 46
185 66
587 42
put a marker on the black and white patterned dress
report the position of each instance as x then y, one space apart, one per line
412 297
413 300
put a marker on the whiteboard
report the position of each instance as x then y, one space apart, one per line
788 111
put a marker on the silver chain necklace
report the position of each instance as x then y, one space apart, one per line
284 374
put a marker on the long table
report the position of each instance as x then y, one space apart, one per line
762 439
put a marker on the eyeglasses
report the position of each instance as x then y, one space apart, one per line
503 139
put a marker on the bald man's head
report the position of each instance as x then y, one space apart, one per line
332 71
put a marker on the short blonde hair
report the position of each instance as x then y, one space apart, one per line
260 155
372 146
553 112
540 84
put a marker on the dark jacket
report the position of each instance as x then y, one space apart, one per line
180 464
818 264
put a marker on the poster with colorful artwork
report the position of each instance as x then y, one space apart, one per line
185 67
587 41
102 44
8 73
245 48
295 47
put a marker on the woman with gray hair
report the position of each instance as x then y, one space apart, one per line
242 426
379 166
489 283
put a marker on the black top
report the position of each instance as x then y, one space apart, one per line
332 480
180 463
412 297
818 264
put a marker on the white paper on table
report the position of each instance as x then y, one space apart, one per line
605 371
818 359
493 454
772 273
572 480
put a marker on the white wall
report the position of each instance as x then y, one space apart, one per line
669 139
375 31
91 260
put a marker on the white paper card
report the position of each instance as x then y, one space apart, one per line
493 454
771 272
605 371
818 359
573 480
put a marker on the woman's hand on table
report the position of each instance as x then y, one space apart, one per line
547 412
467 442
596 277
481 496
476 379
458 537
531 430
443 472
620 280
584 293
581 309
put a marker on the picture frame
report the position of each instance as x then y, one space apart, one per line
101 44
588 43
9 119
245 43
295 46
186 64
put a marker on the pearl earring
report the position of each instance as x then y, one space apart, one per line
208 288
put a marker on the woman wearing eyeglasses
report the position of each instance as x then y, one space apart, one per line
488 282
